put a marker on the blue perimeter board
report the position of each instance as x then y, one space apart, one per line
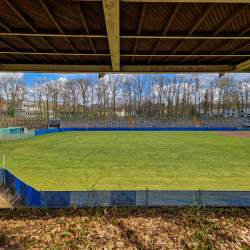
51 199
57 130
33 198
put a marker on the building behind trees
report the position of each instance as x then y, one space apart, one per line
161 96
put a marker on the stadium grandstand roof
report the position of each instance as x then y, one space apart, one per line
126 36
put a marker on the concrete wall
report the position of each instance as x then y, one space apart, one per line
94 123
29 123
34 123
141 122
186 122
223 122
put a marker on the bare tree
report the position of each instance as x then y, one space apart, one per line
114 84
225 86
84 91
139 82
213 82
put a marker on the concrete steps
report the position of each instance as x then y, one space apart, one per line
196 123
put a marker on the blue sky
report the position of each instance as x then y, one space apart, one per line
53 76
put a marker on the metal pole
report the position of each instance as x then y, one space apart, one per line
93 197
40 197
3 162
202 199
146 197
16 199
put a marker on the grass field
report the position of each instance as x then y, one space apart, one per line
130 161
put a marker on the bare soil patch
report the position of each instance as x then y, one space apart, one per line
125 228
22 149
236 134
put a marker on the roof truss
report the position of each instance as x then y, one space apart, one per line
112 17
121 42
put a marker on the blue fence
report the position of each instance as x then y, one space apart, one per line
33 198
56 130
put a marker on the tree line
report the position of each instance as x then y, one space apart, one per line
148 95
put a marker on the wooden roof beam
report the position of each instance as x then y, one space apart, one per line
112 18
167 59
230 41
57 54
22 17
181 1
18 36
244 30
87 29
221 46
183 59
242 66
236 59
201 37
6 26
230 19
196 49
127 69
27 43
196 24
57 35
240 48
28 58
178 46
246 54
200 60
139 29
42 2
201 18
52 47
15 50
8 45
44 5
217 60
223 25
172 1
32 47
171 19
9 57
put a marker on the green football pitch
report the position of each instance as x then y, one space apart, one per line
130 161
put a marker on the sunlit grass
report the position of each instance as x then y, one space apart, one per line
130 161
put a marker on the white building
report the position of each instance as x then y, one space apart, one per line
247 112
229 112
30 110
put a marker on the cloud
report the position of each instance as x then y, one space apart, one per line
62 79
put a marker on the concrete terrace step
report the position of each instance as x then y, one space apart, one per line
196 123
